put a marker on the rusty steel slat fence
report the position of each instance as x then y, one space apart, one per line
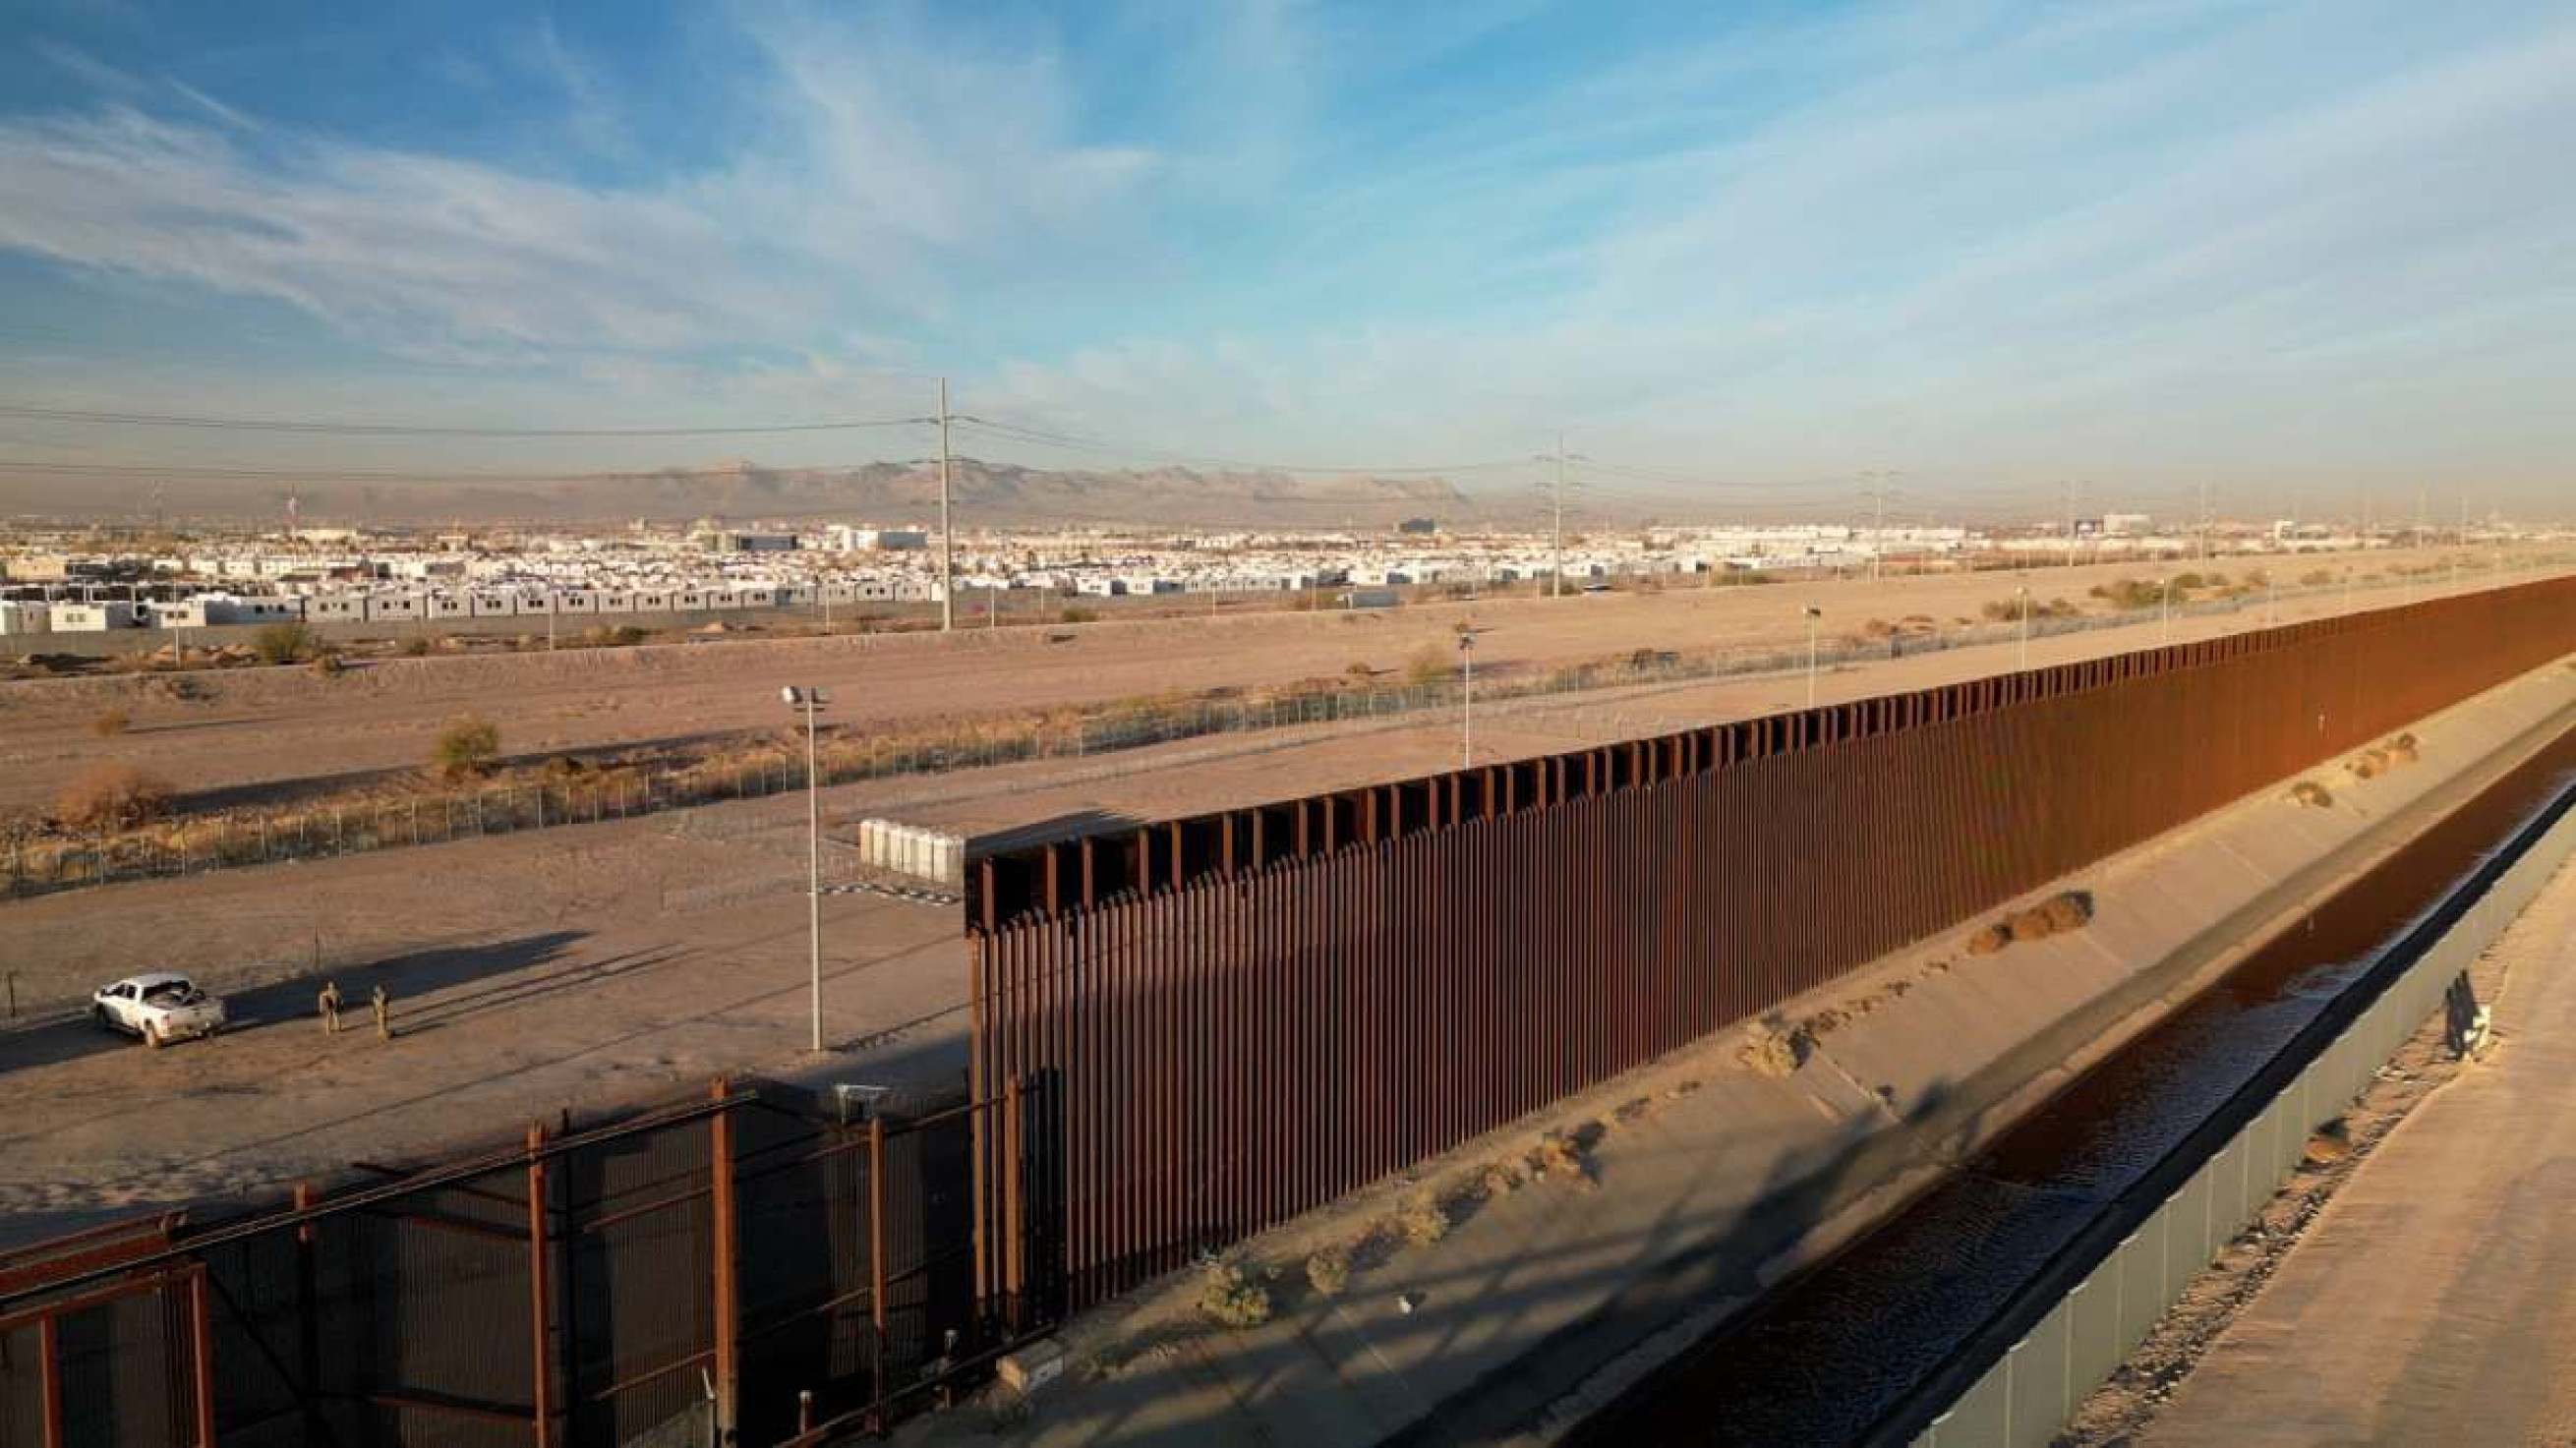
1239 1016
736 1262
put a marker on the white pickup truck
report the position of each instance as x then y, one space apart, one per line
160 1007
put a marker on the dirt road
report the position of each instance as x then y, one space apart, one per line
2428 1303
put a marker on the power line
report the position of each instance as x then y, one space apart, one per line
402 429
1019 433
364 475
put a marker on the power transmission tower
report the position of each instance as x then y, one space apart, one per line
1556 585
947 535
1880 486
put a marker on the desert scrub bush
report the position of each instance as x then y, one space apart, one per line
1429 666
1329 1271
108 723
1560 1155
2316 578
2129 595
466 745
325 663
415 647
1770 1049
1422 1220
2068 909
285 643
111 795
2032 924
1228 1297
2402 749
1987 939
2312 794
1081 615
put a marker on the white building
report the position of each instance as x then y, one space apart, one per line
841 537
93 617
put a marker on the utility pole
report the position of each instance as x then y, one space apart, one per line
808 700
2204 520
1879 481
947 534
1467 699
2023 594
1557 586
2069 488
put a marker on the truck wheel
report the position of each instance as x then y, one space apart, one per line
98 1017
152 1036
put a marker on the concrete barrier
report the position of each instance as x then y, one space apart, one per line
925 854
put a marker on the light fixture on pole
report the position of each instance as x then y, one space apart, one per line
807 701
1814 614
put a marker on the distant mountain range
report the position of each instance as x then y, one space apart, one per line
982 494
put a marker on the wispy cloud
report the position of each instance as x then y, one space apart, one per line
1985 238
880 165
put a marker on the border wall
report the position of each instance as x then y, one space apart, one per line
1229 1019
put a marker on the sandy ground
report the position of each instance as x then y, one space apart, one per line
2428 1301
263 727
588 966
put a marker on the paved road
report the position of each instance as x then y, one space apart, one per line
2430 1302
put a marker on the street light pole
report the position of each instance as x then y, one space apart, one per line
1467 699
808 700
2023 594
2164 605
1814 614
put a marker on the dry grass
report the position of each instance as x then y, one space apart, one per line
111 795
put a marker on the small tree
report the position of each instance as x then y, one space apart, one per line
467 745
1429 666
111 795
285 643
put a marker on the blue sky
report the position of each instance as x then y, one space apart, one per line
2299 252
